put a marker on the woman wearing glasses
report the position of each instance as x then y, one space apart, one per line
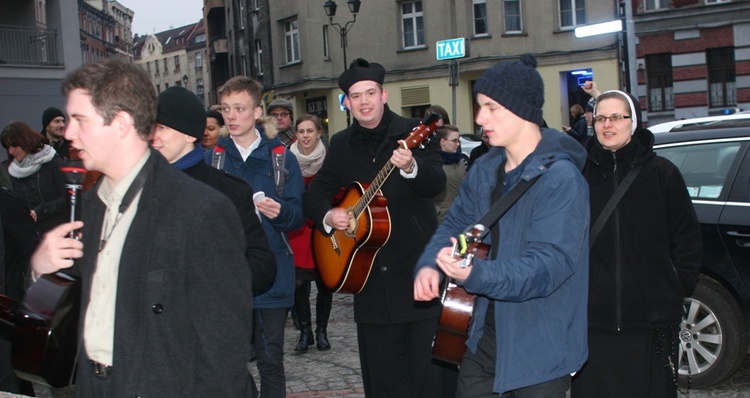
644 260
454 166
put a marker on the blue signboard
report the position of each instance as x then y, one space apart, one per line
451 48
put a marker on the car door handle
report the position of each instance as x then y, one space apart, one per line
736 234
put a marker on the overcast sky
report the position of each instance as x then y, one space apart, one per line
153 16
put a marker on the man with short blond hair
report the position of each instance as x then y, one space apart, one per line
250 151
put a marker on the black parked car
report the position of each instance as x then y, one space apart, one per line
715 164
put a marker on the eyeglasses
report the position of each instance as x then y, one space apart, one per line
612 118
280 114
455 140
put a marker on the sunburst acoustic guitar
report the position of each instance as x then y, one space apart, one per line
344 257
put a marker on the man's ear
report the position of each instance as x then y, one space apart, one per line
123 122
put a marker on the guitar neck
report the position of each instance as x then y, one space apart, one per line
418 134
373 189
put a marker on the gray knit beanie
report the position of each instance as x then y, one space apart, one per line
517 86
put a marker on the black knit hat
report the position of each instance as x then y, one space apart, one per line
517 86
181 110
50 114
360 70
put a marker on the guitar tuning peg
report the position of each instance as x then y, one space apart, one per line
421 146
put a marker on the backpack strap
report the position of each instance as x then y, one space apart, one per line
217 157
280 172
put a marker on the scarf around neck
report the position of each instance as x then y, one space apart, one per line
374 138
309 164
32 163
450 158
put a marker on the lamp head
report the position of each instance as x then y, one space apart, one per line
354 6
330 7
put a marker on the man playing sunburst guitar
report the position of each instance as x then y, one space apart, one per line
393 332
528 331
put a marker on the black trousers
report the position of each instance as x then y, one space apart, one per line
397 361
628 364
477 376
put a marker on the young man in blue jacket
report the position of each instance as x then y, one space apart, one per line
528 332
249 153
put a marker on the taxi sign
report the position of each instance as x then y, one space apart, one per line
451 48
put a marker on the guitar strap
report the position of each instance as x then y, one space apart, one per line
504 204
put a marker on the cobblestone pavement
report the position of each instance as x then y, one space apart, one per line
336 373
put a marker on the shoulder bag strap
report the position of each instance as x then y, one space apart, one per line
612 203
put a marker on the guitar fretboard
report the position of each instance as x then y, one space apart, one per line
373 189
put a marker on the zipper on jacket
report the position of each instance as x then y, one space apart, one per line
618 265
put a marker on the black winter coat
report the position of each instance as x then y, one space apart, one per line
388 296
18 242
259 255
648 255
45 193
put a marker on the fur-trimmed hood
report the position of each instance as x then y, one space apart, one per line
268 125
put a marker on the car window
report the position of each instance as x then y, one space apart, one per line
703 166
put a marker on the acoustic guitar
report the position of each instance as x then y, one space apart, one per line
344 257
450 340
43 328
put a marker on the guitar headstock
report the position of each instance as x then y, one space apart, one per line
423 131
469 245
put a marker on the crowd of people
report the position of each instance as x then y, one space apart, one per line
197 239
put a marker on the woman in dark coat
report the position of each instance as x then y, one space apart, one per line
646 259
34 169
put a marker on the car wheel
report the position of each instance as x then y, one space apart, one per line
713 336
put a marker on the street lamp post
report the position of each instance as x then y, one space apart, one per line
621 26
330 7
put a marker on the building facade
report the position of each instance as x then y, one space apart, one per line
686 57
39 45
307 56
175 57
693 57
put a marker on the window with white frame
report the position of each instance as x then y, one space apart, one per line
480 17
326 48
721 77
652 5
291 41
512 14
176 62
198 60
259 57
199 85
659 82
242 14
572 13
412 24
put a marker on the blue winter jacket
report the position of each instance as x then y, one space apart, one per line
539 280
258 171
